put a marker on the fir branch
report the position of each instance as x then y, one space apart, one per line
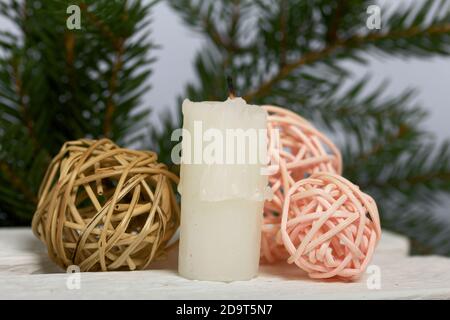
354 41
217 38
293 58
22 105
332 30
110 106
104 29
283 30
287 69
16 182
62 90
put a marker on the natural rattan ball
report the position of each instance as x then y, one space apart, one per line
298 150
103 207
329 227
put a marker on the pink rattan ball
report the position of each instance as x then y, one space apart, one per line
298 150
329 227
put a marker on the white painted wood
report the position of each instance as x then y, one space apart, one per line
27 273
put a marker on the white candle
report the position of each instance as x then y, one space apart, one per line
222 198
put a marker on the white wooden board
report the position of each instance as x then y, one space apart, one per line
27 273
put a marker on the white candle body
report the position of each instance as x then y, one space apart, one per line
221 203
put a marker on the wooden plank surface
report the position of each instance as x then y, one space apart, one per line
26 272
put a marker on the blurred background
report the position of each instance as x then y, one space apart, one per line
369 89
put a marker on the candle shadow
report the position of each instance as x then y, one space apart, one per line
39 261
290 272
283 271
168 262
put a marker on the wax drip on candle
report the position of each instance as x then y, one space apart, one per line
231 91
221 222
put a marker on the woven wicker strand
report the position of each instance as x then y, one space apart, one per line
103 207
329 227
301 150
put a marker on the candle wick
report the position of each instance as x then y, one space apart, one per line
231 91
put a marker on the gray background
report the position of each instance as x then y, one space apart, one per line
173 70
178 45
